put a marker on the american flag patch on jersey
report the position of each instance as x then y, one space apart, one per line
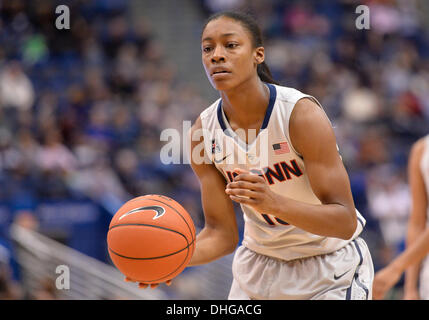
280 148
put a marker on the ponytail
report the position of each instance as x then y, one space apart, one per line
264 73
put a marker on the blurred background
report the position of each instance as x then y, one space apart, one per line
82 109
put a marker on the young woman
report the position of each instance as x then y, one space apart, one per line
301 237
418 234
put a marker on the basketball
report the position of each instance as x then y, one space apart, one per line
151 239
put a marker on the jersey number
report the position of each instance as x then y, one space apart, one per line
269 219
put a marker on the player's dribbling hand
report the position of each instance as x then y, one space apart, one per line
146 285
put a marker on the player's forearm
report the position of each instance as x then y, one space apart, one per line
412 272
411 277
414 253
332 220
211 245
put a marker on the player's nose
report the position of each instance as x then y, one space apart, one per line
218 55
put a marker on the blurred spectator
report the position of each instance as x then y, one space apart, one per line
46 290
221 5
94 176
26 219
9 289
53 154
361 105
16 90
389 202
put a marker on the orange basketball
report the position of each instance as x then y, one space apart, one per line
151 239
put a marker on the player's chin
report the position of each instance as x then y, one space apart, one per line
222 84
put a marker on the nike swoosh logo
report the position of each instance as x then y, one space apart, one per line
218 161
158 209
341 275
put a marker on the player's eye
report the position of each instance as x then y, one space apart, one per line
231 45
207 49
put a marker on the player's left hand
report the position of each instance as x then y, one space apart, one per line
146 285
384 280
252 189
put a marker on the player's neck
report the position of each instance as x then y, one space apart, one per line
245 105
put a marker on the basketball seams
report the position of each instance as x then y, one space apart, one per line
152 258
187 224
146 225
155 226
171 207
166 276
178 267
190 229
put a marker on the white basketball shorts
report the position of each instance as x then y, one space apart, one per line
346 274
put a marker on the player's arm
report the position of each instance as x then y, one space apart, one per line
387 277
219 236
417 237
313 137
417 220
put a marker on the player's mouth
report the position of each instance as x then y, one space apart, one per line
219 73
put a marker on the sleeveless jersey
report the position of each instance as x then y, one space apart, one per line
272 156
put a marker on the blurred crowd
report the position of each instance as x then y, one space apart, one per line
82 110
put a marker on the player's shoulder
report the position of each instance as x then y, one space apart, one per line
420 146
421 143
295 103
288 94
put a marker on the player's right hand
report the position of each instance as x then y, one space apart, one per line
384 280
143 285
411 294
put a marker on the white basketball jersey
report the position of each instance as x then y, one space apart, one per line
272 156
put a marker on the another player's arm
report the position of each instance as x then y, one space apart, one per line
313 137
417 237
219 236
417 220
387 277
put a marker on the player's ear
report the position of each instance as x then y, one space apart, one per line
259 55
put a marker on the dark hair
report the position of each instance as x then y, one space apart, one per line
248 22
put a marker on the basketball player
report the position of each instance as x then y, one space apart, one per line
301 237
418 234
